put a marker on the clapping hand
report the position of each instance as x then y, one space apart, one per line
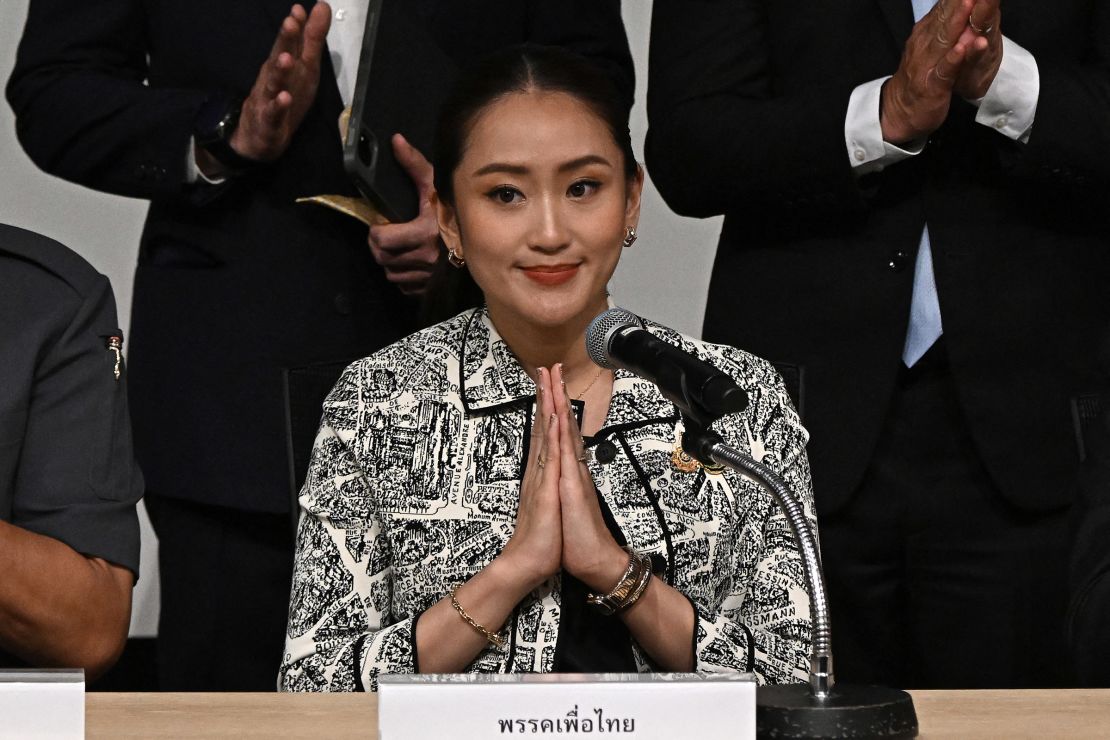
915 101
286 86
984 38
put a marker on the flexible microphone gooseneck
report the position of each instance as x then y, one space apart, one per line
823 708
617 338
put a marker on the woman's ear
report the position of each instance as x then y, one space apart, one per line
635 190
448 224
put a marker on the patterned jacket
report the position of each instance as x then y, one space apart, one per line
413 488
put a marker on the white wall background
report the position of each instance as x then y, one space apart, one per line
665 276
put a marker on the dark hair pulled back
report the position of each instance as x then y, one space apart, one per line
521 69
516 69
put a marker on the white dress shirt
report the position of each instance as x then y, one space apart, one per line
1009 107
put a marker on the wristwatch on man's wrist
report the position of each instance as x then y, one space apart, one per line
212 129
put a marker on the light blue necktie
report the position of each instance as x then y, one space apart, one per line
925 327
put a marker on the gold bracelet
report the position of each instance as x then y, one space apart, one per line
641 586
628 589
494 639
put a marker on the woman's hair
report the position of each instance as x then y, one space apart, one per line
517 69
522 69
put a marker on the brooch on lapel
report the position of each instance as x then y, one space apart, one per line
683 462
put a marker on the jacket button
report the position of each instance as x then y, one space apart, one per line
343 304
898 261
605 452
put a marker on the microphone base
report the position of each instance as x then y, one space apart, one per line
792 711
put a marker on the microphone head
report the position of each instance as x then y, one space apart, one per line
601 331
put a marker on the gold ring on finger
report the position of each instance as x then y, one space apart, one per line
980 31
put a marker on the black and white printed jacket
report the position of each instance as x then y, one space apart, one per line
413 488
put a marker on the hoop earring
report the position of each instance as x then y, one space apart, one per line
629 237
454 258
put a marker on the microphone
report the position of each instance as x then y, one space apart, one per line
821 708
617 338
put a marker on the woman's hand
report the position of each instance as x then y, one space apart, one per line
589 552
534 552
447 644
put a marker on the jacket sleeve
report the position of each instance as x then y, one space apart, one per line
763 623
76 478
721 138
342 632
1069 146
83 112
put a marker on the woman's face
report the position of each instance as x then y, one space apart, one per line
541 208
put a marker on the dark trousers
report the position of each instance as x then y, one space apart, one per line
935 580
224 578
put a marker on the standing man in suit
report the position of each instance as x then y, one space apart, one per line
916 231
223 114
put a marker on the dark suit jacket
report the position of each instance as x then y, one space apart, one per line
1090 566
234 283
747 103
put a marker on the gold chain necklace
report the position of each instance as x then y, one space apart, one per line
585 390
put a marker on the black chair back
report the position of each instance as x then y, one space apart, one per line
305 390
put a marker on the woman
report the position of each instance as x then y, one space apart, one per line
456 518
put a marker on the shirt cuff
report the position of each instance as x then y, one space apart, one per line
1010 104
192 172
863 132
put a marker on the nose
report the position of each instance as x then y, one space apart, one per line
549 232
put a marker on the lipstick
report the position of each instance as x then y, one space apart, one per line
551 274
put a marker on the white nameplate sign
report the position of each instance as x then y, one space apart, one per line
647 706
37 703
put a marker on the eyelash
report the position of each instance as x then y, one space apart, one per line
500 190
593 185
496 193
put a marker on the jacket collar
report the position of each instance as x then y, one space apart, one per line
489 373
490 376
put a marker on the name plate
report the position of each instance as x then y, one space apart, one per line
635 705
42 703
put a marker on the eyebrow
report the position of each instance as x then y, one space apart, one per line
520 169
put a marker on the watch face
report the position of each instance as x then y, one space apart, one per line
216 119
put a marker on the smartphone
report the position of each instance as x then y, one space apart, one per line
403 78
